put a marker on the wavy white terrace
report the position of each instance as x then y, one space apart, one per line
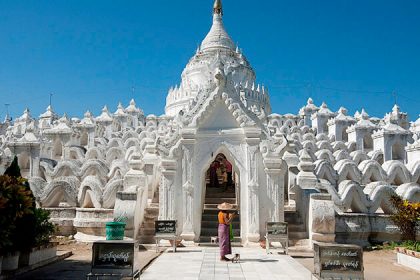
329 174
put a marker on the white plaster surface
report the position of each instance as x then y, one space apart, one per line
203 263
114 165
408 261
41 255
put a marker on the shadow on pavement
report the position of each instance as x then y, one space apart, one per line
63 270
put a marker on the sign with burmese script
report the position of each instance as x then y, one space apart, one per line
335 259
277 232
165 228
113 256
277 229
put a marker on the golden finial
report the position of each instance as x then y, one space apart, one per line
217 7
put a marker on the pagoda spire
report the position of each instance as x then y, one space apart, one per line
218 8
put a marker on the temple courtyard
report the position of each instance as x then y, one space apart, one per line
319 177
203 263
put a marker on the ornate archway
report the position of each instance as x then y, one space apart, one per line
221 184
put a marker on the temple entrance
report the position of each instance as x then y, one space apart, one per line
221 185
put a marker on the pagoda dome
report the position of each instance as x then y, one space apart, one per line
216 50
217 38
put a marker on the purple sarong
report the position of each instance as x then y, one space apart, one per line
224 240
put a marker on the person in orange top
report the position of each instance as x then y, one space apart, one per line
225 218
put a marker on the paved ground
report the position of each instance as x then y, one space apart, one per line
380 264
78 265
204 264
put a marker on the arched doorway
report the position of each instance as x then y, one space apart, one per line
367 143
221 185
398 152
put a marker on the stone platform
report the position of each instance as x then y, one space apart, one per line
204 264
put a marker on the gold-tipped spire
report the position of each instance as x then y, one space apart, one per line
217 7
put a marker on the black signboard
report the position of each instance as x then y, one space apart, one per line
113 256
277 232
331 259
278 229
165 227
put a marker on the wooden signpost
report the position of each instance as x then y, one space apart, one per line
277 232
338 261
165 230
114 259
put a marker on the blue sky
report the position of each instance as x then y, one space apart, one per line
90 53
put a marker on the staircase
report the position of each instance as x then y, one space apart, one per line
209 222
297 233
146 234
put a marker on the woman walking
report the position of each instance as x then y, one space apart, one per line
214 180
225 217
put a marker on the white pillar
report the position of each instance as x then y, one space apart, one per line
188 191
253 214
167 191
275 193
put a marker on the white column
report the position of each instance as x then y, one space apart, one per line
188 190
253 214
35 160
275 193
167 191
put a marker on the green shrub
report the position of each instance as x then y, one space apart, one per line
43 227
22 225
406 217
16 201
412 245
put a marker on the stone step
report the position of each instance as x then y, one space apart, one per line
300 242
210 206
152 210
296 227
220 189
146 231
219 200
149 219
301 251
214 218
147 240
211 210
221 195
148 224
214 232
290 208
292 217
209 224
150 215
292 196
298 235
